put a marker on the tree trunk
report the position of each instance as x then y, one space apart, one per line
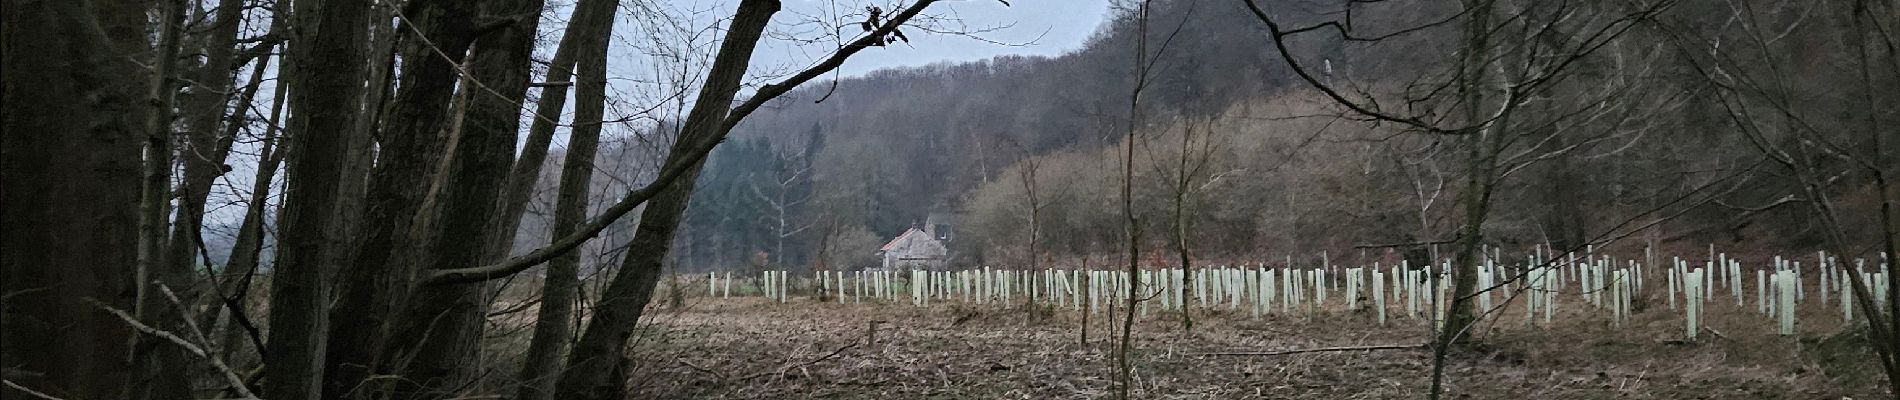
552 330
352 352
1482 152
1124 369
411 143
526 171
70 118
440 329
161 372
326 72
599 348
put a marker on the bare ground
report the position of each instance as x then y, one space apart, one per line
750 349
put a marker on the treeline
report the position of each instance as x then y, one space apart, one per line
1274 170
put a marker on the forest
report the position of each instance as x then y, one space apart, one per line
608 199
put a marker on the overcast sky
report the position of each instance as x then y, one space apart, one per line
1042 27
1025 27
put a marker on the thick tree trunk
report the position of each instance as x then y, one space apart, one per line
410 146
591 363
326 74
70 121
552 331
441 327
352 352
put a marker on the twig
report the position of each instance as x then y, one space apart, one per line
216 362
1316 350
782 370
1717 333
715 373
17 386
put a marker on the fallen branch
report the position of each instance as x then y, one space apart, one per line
1317 350
1717 333
788 368
696 367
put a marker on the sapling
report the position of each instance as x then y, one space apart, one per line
1761 291
1827 268
1785 297
1378 295
1550 299
1799 293
1484 281
1692 304
1847 303
1319 300
1535 288
1352 289
1671 274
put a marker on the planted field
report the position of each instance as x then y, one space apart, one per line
1588 326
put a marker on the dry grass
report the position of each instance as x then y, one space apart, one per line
749 349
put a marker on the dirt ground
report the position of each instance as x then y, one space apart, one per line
750 349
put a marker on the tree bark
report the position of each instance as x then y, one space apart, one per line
326 74
440 328
70 117
352 352
410 144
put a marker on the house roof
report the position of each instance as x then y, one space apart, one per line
900 238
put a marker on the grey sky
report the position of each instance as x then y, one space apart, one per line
1044 27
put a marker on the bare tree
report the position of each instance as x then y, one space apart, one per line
783 200
1143 69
